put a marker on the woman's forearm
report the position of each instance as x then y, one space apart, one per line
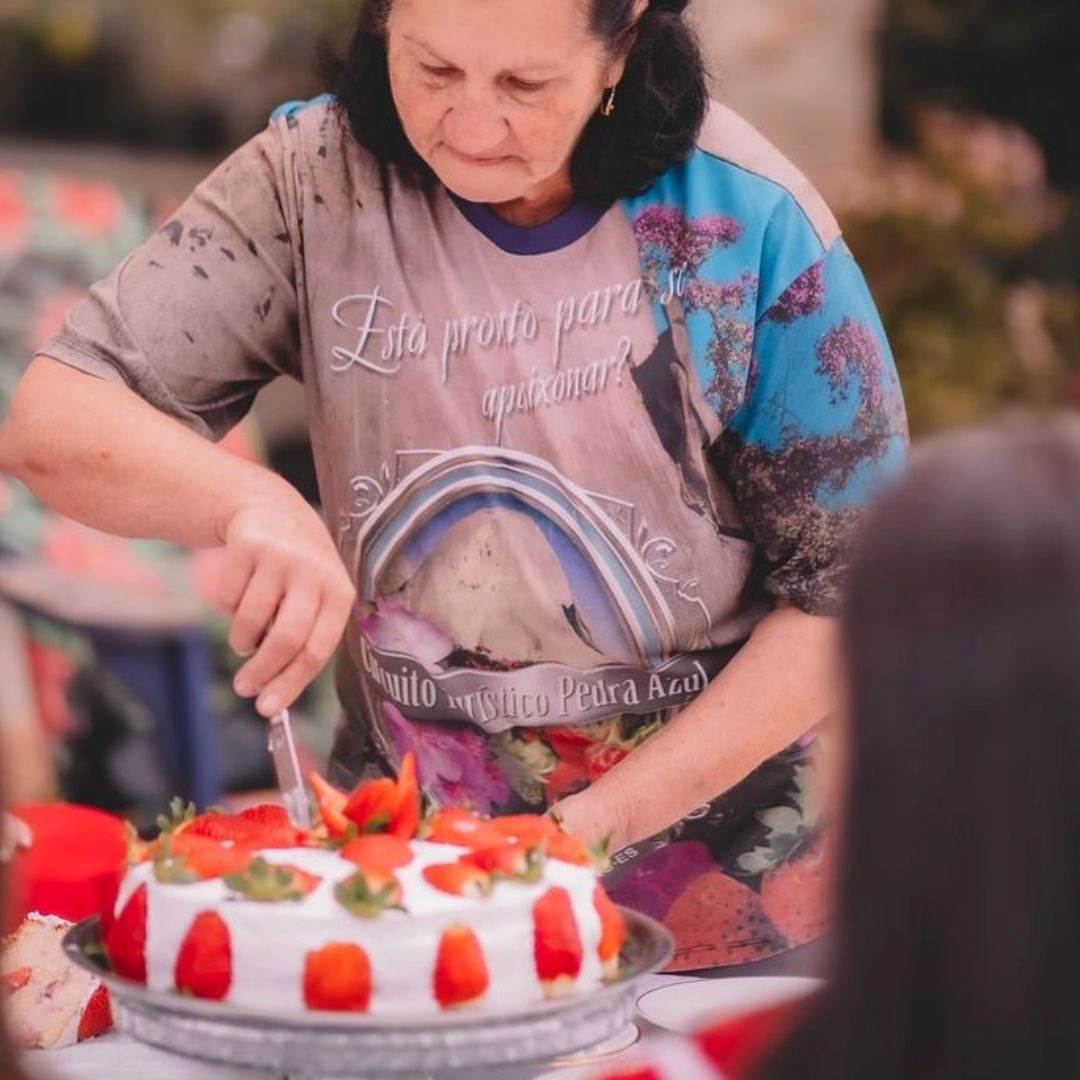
98 453
93 450
782 682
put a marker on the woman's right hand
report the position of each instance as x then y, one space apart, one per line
288 594
144 474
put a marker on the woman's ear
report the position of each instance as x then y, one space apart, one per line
618 65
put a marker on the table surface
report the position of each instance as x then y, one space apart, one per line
118 1057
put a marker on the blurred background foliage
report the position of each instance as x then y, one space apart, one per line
968 225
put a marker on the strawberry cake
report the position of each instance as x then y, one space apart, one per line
49 1003
376 909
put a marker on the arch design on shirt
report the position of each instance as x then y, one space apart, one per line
502 496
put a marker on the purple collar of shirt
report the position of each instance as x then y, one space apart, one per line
561 231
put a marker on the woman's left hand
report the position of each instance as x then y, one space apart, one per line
781 683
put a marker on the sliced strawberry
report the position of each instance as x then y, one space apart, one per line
97 1017
513 861
245 832
368 893
337 978
378 851
556 942
331 802
138 850
273 814
371 805
387 806
268 883
406 819
204 963
458 879
11 981
224 828
531 829
125 941
461 974
456 825
570 849
187 857
612 931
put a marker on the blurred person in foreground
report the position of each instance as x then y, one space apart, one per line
957 941
596 394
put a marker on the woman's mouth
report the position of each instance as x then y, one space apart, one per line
474 159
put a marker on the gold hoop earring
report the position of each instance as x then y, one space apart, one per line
607 101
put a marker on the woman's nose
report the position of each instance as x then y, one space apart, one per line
475 123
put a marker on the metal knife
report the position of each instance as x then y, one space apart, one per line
294 793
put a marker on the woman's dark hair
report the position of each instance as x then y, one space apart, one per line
660 106
958 932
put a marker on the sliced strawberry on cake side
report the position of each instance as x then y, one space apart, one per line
461 974
125 940
204 962
337 978
612 932
556 942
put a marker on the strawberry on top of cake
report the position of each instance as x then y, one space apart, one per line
376 909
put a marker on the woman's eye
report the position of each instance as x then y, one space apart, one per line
523 86
438 72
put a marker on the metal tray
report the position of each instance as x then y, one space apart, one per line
332 1046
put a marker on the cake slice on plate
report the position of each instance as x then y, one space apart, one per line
49 1001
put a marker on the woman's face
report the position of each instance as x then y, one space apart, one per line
493 94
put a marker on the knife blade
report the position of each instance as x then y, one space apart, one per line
287 767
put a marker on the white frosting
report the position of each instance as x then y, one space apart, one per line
270 941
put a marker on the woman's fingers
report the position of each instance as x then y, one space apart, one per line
290 597
325 633
256 610
287 637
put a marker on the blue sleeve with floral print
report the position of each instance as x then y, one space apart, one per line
790 355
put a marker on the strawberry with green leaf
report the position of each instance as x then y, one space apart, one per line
368 893
271 883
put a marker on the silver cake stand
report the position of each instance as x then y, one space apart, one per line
328 1046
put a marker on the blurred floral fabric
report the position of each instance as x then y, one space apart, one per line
59 234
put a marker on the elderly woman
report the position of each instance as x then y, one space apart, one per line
595 392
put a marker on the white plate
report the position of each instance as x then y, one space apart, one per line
685 1006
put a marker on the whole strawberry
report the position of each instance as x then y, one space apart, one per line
204 963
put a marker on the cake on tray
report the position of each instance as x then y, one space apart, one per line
374 910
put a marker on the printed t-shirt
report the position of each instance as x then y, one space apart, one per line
569 466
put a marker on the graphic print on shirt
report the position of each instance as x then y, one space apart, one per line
499 593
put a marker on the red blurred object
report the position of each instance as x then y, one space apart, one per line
74 865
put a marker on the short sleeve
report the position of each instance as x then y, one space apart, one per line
204 312
821 425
